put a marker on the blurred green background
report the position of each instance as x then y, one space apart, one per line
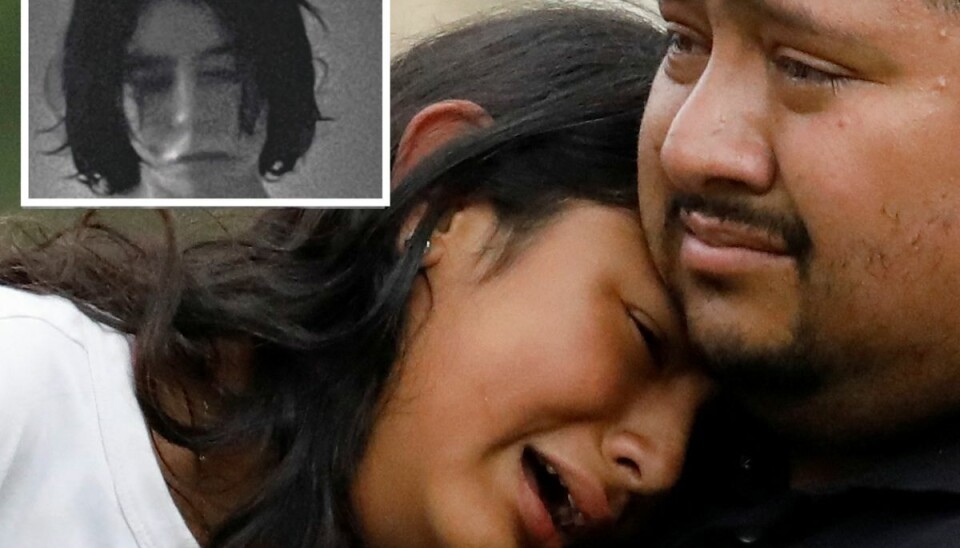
9 105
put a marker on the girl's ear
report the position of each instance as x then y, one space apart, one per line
432 128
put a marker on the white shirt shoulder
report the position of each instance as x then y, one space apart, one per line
77 468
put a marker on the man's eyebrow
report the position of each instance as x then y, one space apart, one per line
799 18
802 18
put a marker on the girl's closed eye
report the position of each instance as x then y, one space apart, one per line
651 336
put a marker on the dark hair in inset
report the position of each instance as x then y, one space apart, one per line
271 40
320 297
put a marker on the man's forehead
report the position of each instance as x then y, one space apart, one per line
850 19
815 7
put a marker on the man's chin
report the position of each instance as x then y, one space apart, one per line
755 371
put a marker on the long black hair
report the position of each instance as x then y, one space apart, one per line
319 297
270 37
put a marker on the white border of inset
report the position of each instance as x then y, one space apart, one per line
27 202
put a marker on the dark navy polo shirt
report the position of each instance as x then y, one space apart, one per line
907 500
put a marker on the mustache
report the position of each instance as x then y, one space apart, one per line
791 229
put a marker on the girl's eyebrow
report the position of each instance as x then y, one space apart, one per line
226 48
137 59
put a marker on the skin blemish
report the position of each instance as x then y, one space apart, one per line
891 214
915 241
877 264
947 223
943 222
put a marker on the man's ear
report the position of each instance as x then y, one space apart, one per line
432 128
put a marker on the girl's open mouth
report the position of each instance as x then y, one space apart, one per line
549 486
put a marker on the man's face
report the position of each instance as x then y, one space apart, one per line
800 186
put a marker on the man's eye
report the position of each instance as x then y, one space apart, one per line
687 54
681 41
800 73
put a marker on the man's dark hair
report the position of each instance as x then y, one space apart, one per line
271 40
319 297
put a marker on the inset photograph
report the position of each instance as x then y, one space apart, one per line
205 102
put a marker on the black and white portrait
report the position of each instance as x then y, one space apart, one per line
216 99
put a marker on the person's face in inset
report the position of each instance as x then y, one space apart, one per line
800 186
183 95
568 358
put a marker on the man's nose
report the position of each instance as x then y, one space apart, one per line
720 132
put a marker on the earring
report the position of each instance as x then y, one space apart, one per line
275 171
409 241
95 182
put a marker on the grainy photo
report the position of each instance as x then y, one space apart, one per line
147 100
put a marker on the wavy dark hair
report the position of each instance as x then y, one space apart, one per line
270 37
318 298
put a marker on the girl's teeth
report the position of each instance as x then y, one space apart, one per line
579 520
569 516
553 472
